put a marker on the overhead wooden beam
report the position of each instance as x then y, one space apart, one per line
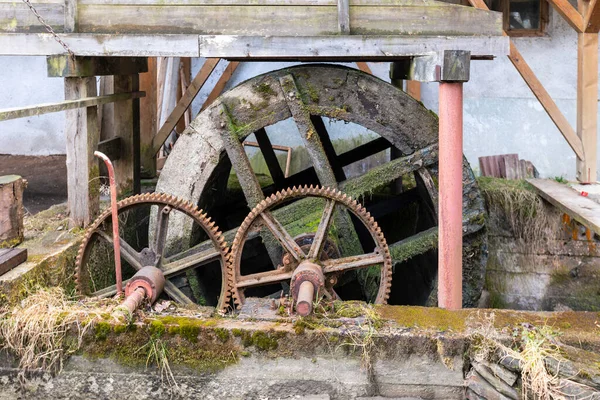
183 104
541 93
216 92
21 112
66 66
569 13
592 17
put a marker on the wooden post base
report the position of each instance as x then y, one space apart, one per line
11 210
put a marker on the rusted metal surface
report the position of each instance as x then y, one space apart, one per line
450 197
299 267
115 220
307 285
139 260
151 279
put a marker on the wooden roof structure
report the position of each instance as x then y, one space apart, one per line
257 29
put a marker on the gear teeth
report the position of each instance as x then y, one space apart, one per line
182 205
234 259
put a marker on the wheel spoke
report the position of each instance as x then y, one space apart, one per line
160 234
270 157
282 236
322 230
262 278
108 291
176 294
127 252
192 261
414 245
350 263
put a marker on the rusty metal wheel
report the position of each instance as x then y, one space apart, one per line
320 269
145 223
392 172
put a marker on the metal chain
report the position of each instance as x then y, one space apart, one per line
49 28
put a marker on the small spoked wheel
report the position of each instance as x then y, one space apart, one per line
149 225
310 263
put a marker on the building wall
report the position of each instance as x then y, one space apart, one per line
501 113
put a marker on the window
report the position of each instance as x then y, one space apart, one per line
522 17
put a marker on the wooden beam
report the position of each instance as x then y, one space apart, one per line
346 47
65 66
587 105
541 93
123 123
569 13
148 119
216 92
70 16
185 75
592 17
81 131
11 258
413 89
185 102
111 147
11 210
364 67
21 112
343 9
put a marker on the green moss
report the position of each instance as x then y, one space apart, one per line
222 334
102 330
265 90
186 327
237 332
425 317
120 328
264 341
156 328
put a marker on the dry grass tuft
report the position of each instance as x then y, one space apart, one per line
531 348
37 328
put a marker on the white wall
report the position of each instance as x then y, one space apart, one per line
23 82
501 113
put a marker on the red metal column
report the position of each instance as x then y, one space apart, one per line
450 195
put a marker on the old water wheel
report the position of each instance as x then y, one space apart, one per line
304 104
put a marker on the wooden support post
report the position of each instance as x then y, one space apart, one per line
124 129
413 89
148 119
81 131
587 105
220 85
11 210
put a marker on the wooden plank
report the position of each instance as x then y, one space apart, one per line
124 129
70 24
364 67
148 119
111 147
540 93
242 3
185 76
592 17
11 210
38 44
587 105
354 47
21 112
183 104
220 85
343 8
582 209
569 13
66 66
81 131
11 258
17 17
413 89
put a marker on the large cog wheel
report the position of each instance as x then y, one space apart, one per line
146 238
296 258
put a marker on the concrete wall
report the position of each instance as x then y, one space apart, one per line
501 114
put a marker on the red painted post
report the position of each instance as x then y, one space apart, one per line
450 195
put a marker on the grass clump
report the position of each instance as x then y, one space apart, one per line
514 204
36 329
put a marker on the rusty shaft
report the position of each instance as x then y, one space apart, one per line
306 294
115 220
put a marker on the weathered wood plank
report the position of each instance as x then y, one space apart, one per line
323 47
592 17
123 124
65 66
583 210
38 44
81 131
17 17
343 7
11 210
111 148
220 85
355 46
274 3
70 24
11 258
587 105
287 20
148 118
184 103
21 112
